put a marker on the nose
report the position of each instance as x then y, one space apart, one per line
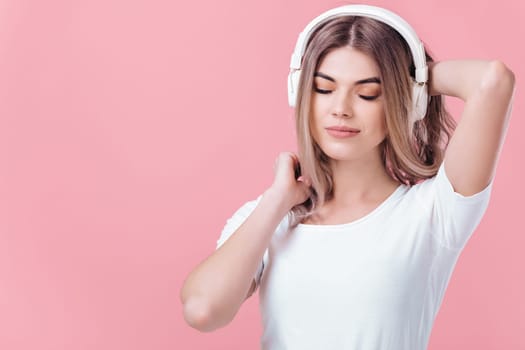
341 105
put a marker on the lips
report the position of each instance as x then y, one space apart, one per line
342 132
343 128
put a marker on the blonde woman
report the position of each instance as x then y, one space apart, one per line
354 243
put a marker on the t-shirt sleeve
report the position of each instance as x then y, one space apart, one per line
233 223
456 216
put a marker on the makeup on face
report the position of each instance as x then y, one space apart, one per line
369 88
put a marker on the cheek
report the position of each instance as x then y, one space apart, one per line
381 124
378 111
320 106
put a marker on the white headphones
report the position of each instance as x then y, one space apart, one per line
419 87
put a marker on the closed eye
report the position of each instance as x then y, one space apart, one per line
364 97
322 91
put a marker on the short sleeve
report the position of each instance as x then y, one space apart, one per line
456 216
233 223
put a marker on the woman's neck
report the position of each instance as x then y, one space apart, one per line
358 180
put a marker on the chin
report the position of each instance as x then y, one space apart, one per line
340 155
339 152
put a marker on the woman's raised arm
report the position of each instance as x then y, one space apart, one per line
487 87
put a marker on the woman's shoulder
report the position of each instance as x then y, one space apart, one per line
439 187
249 206
423 192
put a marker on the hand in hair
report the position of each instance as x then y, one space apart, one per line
295 189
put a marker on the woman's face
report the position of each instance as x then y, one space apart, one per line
347 93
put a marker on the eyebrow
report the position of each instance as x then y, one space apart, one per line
362 81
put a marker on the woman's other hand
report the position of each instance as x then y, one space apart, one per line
294 190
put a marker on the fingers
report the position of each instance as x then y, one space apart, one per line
296 187
306 189
305 180
285 156
294 157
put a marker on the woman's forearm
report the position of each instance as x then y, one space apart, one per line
458 78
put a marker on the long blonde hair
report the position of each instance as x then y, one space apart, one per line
411 152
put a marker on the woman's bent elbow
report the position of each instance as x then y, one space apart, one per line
499 76
198 315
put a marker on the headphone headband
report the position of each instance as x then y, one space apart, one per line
382 15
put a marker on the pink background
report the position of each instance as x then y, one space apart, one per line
131 130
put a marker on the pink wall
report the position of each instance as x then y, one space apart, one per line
131 130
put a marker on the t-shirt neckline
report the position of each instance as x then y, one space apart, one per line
392 197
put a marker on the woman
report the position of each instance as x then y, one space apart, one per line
356 251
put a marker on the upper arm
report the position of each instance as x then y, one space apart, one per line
473 150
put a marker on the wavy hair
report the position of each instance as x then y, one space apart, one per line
411 152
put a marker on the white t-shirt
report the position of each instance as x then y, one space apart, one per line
374 283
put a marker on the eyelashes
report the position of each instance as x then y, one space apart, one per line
368 98
326 92
321 91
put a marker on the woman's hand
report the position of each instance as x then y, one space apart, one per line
293 191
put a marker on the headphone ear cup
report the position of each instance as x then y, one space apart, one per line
419 101
293 85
